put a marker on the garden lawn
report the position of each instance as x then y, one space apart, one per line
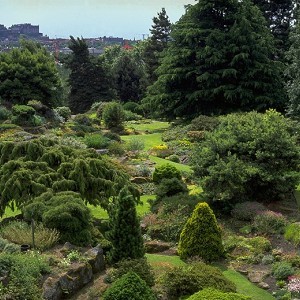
149 125
100 213
149 140
160 161
243 285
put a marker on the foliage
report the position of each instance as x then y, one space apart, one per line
204 123
64 112
97 141
64 211
213 294
129 286
219 60
187 280
166 171
83 119
29 72
30 168
282 270
4 113
239 161
24 272
89 80
201 235
23 115
292 233
269 222
135 144
131 116
246 211
139 266
113 116
160 151
20 233
174 158
125 234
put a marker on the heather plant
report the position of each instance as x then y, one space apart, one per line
246 211
201 235
269 222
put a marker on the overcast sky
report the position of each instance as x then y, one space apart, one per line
89 18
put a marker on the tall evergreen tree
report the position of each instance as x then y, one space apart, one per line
219 60
280 17
293 73
160 36
89 80
125 234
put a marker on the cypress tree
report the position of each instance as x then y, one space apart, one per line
125 234
219 60
201 235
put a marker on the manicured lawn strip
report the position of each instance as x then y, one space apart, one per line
100 213
149 125
160 161
245 287
149 140
159 262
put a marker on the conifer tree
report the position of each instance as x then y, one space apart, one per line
219 60
201 235
89 80
125 234
160 36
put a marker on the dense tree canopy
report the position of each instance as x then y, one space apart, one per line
89 79
29 73
219 60
29 169
248 157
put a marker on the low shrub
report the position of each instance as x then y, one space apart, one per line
189 279
166 171
20 233
132 116
269 222
174 157
64 112
97 141
169 187
23 115
132 106
116 148
113 116
292 258
11 248
282 270
213 294
292 233
246 211
3 243
112 136
139 266
161 151
135 144
203 122
129 286
83 119
4 113
267 259
175 133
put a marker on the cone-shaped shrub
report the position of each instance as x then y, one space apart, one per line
201 235
129 286
125 234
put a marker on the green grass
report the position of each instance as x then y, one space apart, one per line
245 287
100 213
149 140
149 125
9 213
160 161
159 262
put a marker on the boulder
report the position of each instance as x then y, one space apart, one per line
257 276
264 285
96 259
139 180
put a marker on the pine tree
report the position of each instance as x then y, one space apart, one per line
280 18
160 36
125 234
89 80
293 73
201 235
219 60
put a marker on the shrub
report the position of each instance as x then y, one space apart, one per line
269 222
292 233
113 116
3 243
20 233
116 148
267 259
144 170
161 151
169 187
187 280
135 144
175 158
213 294
64 112
129 286
82 119
11 248
4 113
23 115
201 235
97 141
166 171
292 258
203 122
139 266
246 211
282 270
112 136
131 116
132 106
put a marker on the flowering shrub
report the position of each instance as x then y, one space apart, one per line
294 285
161 151
269 222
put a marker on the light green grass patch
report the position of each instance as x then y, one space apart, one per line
142 209
10 213
149 125
160 262
150 140
245 287
160 161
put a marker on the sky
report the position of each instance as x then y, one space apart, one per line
90 18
